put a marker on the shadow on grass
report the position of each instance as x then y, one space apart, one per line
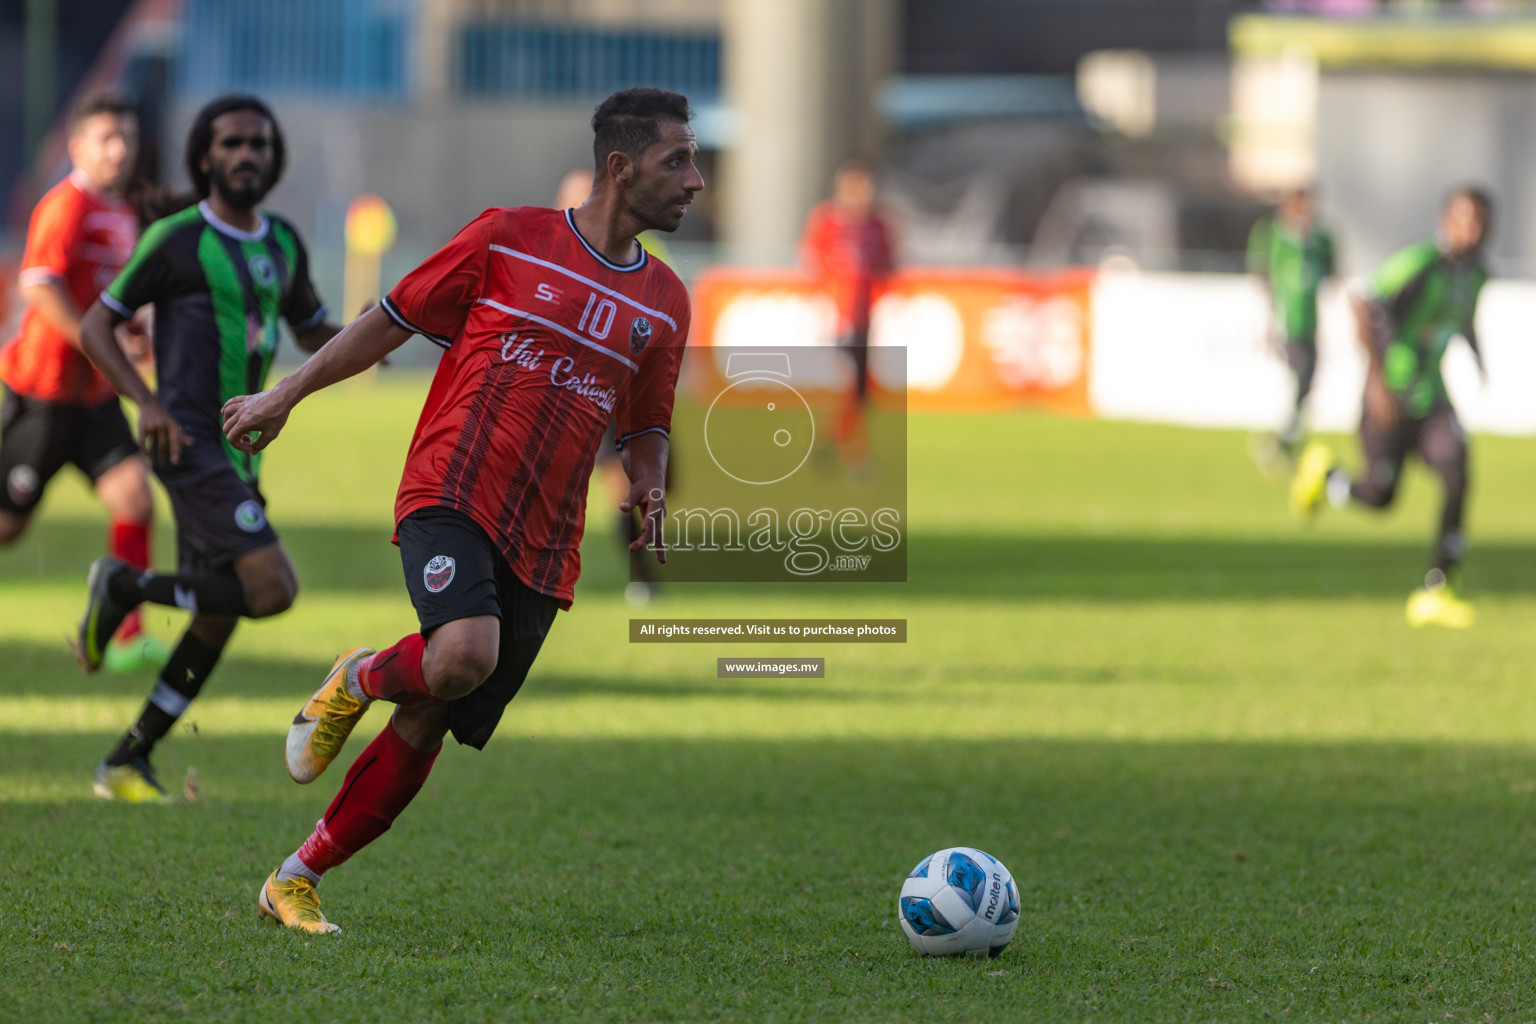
34 670
1165 569
328 558
361 560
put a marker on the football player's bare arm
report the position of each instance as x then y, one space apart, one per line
159 435
315 338
251 422
1378 398
645 462
55 306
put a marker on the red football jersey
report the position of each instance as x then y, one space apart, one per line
79 239
848 257
546 342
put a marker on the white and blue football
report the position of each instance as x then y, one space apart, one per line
959 901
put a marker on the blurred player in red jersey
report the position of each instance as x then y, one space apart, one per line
58 409
553 324
848 251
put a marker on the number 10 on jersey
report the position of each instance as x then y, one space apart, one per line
597 318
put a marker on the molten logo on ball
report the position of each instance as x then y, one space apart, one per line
959 901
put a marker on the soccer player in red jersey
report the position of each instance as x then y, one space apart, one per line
58 409
847 250
553 322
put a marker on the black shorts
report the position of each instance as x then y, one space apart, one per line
1436 437
219 516
453 571
37 438
856 343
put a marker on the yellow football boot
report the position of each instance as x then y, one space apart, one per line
1310 484
134 782
322 727
1435 604
293 903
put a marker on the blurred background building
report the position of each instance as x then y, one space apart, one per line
1049 131
1024 134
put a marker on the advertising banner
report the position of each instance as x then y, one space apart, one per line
1187 349
1195 350
972 339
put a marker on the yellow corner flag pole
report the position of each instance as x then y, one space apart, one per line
370 231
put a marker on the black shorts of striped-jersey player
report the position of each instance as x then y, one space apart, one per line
785 469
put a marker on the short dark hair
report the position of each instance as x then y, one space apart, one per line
1477 193
200 137
630 121
96 103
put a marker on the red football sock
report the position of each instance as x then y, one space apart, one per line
381 782
395 675
320 852
129 541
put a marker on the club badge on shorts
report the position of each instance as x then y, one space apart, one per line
22 484
438 573
249 516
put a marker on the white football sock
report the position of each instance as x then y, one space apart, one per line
354 685
1338 489
295 868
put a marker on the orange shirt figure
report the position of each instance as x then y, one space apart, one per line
79 237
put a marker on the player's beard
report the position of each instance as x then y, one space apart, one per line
658 211
242 197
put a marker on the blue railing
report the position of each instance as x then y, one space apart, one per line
518 60
361 49
343 49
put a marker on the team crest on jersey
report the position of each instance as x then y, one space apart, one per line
639 335
262 270
438 573
249 516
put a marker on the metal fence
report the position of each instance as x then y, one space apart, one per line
540 61
361 50
339 49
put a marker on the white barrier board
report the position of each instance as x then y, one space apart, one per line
1193 349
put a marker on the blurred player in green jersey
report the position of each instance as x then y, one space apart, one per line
1416 303
1292 253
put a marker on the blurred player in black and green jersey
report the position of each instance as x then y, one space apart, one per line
1417 302
220 274
1292 253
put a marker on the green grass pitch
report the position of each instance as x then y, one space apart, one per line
1231 783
